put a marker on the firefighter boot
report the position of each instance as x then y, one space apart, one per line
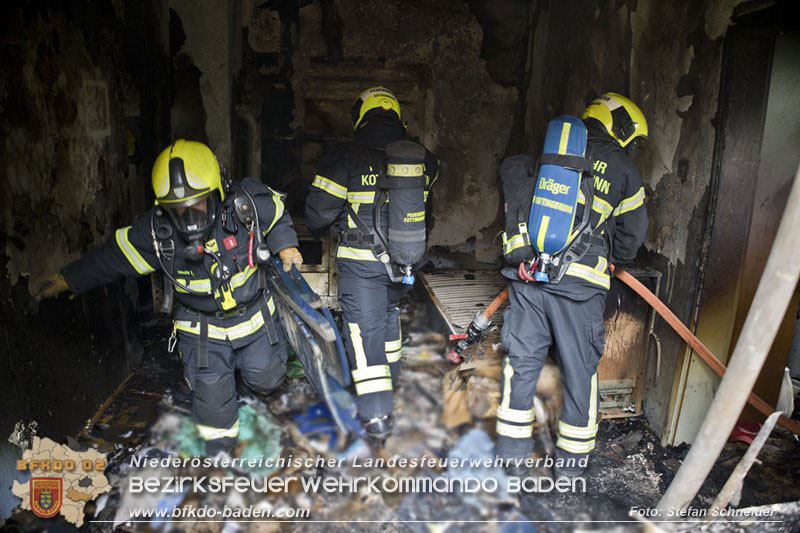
378 429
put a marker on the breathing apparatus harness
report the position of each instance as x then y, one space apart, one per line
401 245
584 236
162 232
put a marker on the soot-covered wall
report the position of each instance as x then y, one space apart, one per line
457 67
76 133
666 56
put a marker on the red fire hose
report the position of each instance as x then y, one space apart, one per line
679 327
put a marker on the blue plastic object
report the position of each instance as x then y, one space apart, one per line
408 279
555 196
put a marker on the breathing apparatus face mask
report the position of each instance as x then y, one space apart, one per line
193 220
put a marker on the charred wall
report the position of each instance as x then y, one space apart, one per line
457 67
80 121
667 57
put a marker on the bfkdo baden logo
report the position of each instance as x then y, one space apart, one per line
47 494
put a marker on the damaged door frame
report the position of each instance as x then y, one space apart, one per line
742 108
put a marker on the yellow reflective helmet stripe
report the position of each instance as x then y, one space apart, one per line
329 186
376 97
200 165
131 254
601 109
630 203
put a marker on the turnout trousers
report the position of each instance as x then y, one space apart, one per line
260 365
373 340
534 320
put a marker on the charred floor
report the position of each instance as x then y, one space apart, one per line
630 468
276 91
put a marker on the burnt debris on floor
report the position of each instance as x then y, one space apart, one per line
149 416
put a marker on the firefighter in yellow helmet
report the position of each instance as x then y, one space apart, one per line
344 193
209 237
568 312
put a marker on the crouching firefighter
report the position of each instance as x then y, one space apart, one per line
568 214
211 238
375 189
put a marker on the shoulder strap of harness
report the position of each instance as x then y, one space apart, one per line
585 237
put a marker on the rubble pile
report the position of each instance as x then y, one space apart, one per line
440 412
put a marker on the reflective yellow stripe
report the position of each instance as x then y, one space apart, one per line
131 254
350 222
515 432
361 197
515 415
593 402
562 145
331 187
631 203
271 306
358 254
425 196
542 232
241 330
370 372
194 284
514 243
374 385
603 208
575 446
279 208
400 169
589 274
238 280
508 371
577 432
358 345
394 356
393 346
211 433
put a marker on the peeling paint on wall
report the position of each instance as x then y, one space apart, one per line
210 34
666 57
66 185
434 46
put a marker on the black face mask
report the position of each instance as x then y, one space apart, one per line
193 222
